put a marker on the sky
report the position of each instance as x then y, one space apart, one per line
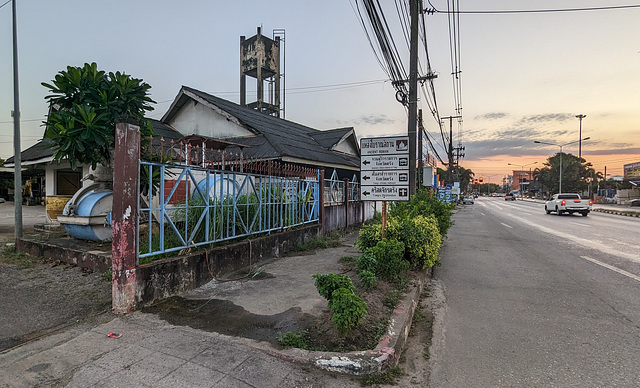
524 76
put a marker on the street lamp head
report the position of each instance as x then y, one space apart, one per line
586 138
535 141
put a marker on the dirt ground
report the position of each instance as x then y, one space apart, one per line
38 297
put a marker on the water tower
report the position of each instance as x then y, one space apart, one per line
260 59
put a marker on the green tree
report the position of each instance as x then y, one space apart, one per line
84 106
576 174
461 174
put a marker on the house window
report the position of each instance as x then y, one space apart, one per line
68 182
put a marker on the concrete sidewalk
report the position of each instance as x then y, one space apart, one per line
150 353
154 353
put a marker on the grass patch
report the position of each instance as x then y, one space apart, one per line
347 259
19 259
330 240
388 377
392 300
107 275
294 339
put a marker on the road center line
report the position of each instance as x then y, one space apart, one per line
508 226
611 267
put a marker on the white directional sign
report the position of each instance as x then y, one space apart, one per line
384 162
385 193
385 146
384 169
385 178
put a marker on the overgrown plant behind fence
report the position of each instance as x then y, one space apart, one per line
191 196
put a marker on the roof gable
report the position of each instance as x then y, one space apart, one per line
278 137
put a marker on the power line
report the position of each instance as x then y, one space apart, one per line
435 10
7 2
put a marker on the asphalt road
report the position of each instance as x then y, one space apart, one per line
31 215
538 300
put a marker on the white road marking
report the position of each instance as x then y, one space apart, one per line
482 213
529 214
632 246
614 269
585 243
579 224
508 226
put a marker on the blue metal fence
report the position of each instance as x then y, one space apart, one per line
184 206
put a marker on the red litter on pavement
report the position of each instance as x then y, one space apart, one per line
114 335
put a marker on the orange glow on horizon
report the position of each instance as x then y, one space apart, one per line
495 168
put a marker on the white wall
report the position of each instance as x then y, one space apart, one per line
196 118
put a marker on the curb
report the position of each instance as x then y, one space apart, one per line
618 212
367 362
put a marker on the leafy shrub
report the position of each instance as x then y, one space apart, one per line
421 238
424 203
367 278
389 255
367 261
369 236
347 308
328 283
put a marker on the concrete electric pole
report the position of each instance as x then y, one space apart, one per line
413 95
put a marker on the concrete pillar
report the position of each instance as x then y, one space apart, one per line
124 215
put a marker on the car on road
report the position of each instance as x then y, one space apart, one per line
467 200
568 203
510 197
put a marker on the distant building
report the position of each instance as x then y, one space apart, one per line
521 180
632 171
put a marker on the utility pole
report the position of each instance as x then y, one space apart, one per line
420 156
580 117
450 147
17 174
413 94
458 153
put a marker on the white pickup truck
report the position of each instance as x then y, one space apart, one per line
568 203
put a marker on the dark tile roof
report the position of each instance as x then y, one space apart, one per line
332 137
43 149
163 130
279 137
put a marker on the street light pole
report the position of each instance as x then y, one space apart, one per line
580 117
561 145
17 159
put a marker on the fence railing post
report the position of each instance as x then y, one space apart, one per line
346 202
321 183
124 246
